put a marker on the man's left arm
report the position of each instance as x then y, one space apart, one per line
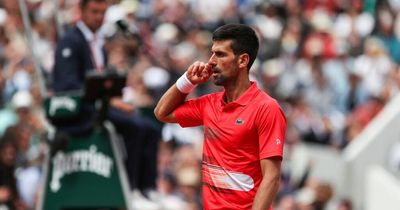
271 170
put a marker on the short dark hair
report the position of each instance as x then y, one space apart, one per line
83 3
244 39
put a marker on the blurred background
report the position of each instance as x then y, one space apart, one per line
333 65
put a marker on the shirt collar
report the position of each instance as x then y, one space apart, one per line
87 33
246 97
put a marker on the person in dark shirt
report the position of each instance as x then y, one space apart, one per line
80 51
9 197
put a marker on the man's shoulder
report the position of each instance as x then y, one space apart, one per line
264 101
264 97
73 35
73 40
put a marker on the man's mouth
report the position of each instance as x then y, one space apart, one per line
215 72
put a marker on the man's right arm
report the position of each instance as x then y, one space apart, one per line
197 73
171 99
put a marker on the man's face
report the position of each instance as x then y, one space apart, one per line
93 14
224 62
8 155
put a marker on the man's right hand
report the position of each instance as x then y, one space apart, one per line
199 72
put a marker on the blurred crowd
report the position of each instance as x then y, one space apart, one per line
331 64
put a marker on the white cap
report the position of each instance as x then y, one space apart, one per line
3 16
166 32
120 11
188 177
155 77
22 99
130 6
272 68
321 21
305 196
114 13
183 50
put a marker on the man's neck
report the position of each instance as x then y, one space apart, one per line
235 90
87 32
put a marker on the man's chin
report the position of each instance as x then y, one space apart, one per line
218 82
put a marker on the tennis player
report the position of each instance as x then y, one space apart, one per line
244 128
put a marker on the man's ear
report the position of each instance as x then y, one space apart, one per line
243 60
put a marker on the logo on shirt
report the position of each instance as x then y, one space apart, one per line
66 52
239 122
278 141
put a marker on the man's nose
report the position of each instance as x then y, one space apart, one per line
212 60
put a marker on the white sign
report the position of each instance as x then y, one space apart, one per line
79 161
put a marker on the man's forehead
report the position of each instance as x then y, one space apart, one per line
96 5
221 45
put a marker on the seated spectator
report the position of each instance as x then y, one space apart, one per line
9 196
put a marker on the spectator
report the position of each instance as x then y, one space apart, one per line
385 32
9 197
171 198
345 204
27 162
373 67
